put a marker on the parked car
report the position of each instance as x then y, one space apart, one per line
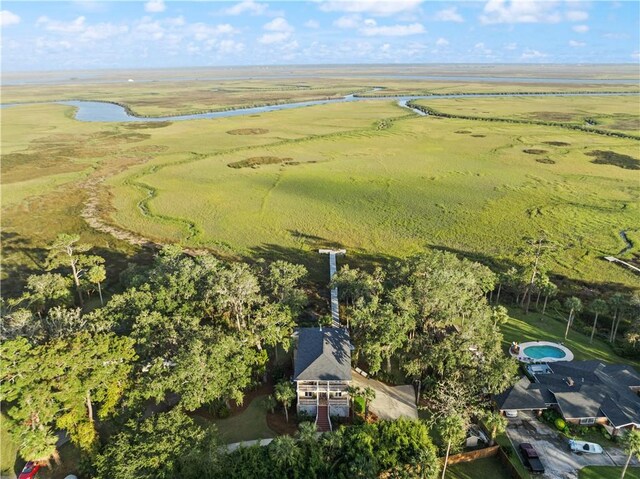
511 413
580 447
531 459
29 470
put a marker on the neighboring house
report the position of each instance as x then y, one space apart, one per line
584 392
322 372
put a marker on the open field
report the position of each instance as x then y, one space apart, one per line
607 472
480 468
535 327
457 184
618 113
369 176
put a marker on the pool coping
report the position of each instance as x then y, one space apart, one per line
522 357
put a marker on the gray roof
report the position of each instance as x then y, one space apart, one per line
523 395
322 354
593 389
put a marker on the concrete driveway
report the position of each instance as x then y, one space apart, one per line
559 462
391 402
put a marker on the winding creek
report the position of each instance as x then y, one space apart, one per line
101 111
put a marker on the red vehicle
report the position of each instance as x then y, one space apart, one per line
29 470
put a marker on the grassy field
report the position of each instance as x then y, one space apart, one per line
8 451
489 467
607 472
281 184
617 113
421 182
535 327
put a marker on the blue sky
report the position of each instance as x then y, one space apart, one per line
90 34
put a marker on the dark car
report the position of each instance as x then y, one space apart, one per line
29 470
530 458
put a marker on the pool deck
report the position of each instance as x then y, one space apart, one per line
522 357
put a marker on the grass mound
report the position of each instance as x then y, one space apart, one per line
478 136
607 157
546 161
248 131
552 116
147 125
256 161
556 143
462 132
534 151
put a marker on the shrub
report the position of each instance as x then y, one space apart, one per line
304 416
358 405
561 425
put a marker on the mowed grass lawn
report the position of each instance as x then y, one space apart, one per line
250 424
535 327
419 182
607 472
486 468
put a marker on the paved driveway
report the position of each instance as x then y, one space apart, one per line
391 402
559 462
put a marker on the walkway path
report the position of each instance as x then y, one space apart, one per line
335 307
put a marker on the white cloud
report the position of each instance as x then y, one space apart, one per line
635 55
392 30
581 29
348 21
370 7
520 11
81 31
8 18
278 25
311 24
511 46
577 16
276 37
155 6
442 42
230 46
247 6
481 48
574 43
449 15
279 31
530 54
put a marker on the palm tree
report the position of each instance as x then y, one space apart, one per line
285 394
353 391
368 394
307 432
574 305
597 306
616 301
549 291
450 428
631 443
496 423
270 403
284 452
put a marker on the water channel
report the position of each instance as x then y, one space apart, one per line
99 111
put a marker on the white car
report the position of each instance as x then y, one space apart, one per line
585 447
511 413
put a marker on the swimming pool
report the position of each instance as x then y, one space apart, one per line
546 351
540 352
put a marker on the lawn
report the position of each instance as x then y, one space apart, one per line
607 472
8 451
248 425
535 327
489 467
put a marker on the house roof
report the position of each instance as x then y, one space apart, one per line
591 389
322 354
523 395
